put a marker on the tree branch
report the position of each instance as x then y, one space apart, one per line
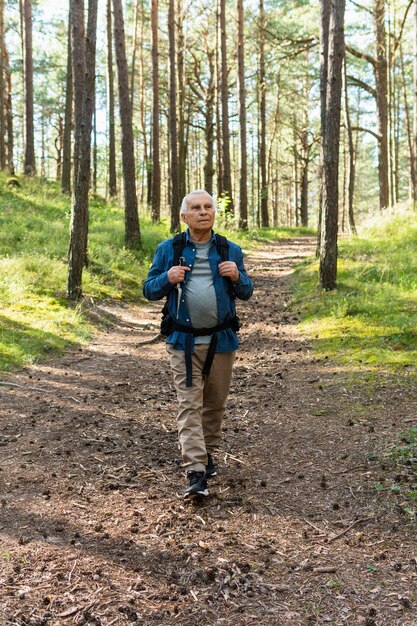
398 39
361 55
361 83
362 7
367 130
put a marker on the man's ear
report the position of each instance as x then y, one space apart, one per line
184 217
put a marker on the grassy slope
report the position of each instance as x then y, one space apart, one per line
35 317
371 319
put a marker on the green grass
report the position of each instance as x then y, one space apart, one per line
371 318
35 316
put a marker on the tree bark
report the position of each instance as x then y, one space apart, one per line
132 228
351 160
84 97
2 92
414 154
262 110
9 117
227 176
29 162
328 247
66 156
381 76
243 183
325 10
175 199
209 126
182 150
111 106
156 167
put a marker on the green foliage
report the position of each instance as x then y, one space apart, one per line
371 319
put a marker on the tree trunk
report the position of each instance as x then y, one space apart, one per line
243 188
305 153
381 77
132 228
209 126
262 107
175 199
414 153
218 105
134 54
66 157
95 155
9 118
2 92
29 162
413 181
325 10
227 176
84 96
182 152
328 247
156 167
111 107
351 160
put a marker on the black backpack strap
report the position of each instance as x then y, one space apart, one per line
222 246
178 242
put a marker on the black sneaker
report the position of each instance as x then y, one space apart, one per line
211 468
197 485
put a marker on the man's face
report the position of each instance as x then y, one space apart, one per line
200 215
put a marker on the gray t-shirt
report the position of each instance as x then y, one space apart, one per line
199 292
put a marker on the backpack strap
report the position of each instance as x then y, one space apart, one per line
179 244
222 246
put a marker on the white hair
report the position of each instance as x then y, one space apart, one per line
184 206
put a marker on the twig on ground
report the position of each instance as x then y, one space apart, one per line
154 339
346 530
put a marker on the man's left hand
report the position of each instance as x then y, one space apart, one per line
228 269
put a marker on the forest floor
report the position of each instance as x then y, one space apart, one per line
93 526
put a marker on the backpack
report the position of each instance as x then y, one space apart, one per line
179 242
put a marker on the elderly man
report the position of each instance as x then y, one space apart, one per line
201 282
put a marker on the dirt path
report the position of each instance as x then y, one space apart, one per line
92 523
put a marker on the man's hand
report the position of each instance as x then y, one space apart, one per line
177 274
228 269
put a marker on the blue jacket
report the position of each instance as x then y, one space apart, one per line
157 286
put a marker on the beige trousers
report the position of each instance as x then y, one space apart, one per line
201 406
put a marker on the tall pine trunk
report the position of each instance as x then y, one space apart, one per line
182 146
381 78
132 228
66 156
2 92
111 106
156 167
175 199
84 59
262 110
243 183
330 212
351 153
29 162
325 8
9 117
227 175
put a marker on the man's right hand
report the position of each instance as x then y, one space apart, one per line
177 274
